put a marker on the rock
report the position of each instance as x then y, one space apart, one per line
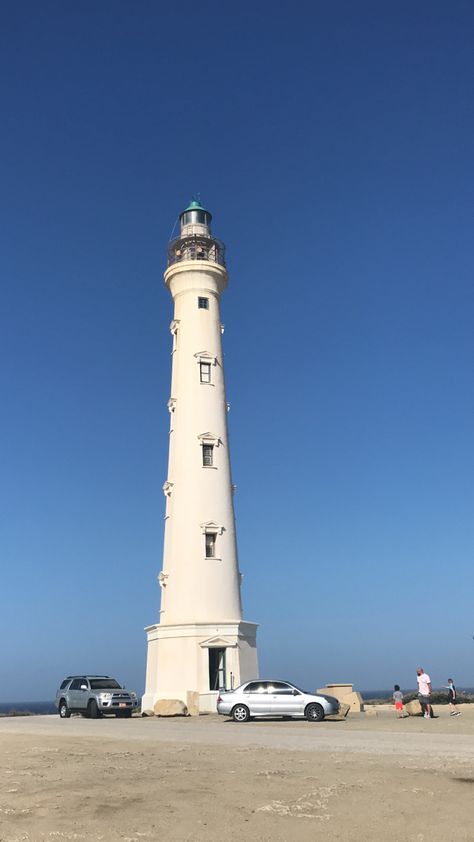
170 707
147 712
344 709
370 710
192 702
413 708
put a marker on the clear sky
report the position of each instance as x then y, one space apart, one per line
333 143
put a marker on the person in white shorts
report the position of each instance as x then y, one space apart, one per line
424 691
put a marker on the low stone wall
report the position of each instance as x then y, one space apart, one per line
344 693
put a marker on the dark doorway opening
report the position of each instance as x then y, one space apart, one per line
217 669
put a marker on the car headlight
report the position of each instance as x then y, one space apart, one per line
133 695
332 700
105 695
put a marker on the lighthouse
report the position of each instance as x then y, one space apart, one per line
201 643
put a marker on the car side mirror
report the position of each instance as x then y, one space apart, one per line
295 693
83 687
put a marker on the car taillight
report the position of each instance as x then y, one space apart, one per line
219 698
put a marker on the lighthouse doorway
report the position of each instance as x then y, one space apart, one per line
217 669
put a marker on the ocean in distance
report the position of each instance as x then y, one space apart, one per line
8 708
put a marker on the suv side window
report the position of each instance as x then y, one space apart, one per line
77 683
257 687
64 683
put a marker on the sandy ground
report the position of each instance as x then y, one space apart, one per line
207 779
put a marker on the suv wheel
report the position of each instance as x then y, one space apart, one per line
240 713
92 710
64 711
314 713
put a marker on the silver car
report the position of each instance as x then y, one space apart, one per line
274 698
94 695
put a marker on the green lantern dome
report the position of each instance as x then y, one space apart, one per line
195 213
194 204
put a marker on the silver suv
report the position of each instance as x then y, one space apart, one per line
94 695
274 698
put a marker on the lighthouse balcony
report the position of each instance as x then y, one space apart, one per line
196 247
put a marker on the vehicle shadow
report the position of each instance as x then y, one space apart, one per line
261 719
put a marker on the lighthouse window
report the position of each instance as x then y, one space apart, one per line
207 455
210 544
203 303
205 372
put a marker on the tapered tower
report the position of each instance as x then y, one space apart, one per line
201 643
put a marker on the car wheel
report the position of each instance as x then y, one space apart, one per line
64 711
93 710
240 713
314 713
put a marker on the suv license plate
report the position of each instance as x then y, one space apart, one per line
122 705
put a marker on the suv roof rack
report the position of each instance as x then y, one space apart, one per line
85 675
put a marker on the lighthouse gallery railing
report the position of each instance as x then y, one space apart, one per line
196 247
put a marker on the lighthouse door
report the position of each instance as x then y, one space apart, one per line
217 669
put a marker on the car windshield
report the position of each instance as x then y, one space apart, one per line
104 684
306 692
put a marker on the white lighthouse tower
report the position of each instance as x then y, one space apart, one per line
201 643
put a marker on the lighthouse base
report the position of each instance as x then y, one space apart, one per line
192 662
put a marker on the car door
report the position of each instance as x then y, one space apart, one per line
73 694
256 697
285 699
79 697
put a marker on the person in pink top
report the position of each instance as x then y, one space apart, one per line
424 691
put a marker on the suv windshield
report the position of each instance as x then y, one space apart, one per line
104 684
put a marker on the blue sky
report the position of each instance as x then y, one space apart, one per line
333 144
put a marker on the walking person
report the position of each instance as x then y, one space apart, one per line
398 702
424 691
452 696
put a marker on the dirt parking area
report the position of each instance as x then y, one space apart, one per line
207 779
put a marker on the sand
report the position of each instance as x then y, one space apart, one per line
207 779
